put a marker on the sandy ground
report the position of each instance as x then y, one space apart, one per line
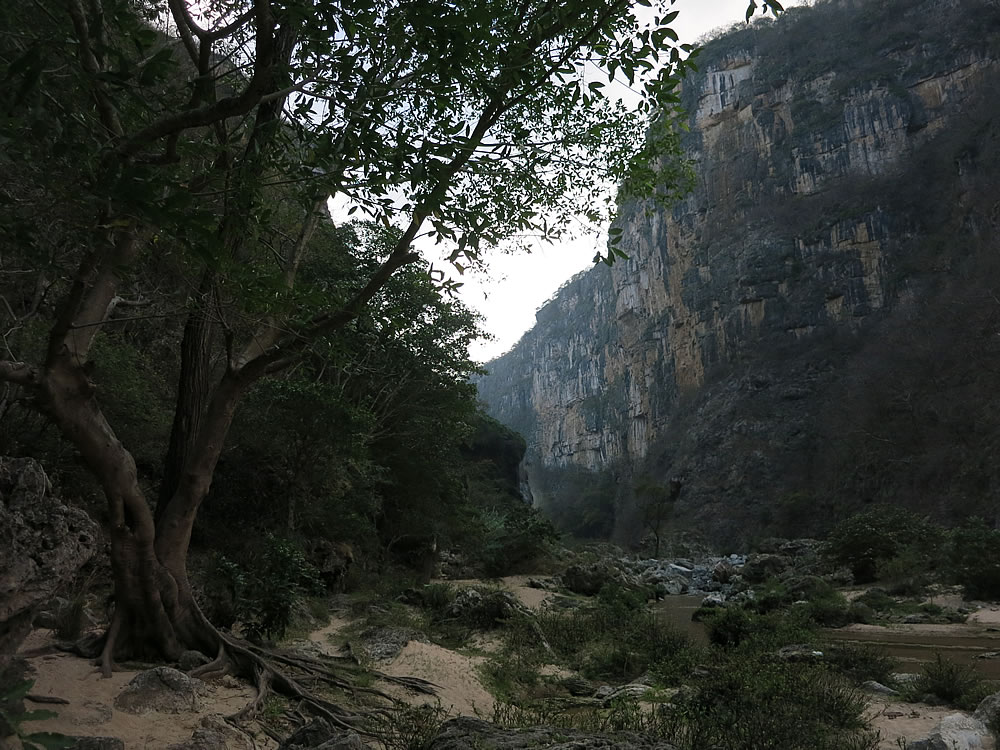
906 722
91 712
456 676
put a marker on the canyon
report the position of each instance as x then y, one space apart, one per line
806 329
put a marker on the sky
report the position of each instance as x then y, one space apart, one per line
514 286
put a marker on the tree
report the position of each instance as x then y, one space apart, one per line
655 505
208 137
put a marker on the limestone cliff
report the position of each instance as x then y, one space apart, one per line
839 155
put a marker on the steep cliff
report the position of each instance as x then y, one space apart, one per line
846 178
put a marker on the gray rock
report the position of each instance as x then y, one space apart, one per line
988 710
905 678
162 689
877 687
988 655
590 579
97 743
192 660
632 690
759 568
382 644
723 571
43 543
465 733
799 652
319 735
954 732
215 733
714 600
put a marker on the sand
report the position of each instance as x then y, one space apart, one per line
91 712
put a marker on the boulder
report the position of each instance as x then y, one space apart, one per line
955 732
723 571
799 652
590 579
464 733
162 689
319 735
192 660
215 733
761 567
877 687
988 710
43 543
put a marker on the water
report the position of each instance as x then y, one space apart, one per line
912 648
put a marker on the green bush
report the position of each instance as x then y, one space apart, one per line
860 662
956 684
974 559
260 592
737 627
867 541
753 701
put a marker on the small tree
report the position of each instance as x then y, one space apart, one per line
656 503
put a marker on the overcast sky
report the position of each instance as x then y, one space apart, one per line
517 285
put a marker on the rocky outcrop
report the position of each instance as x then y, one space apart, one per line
828 184
464 733
43 543
955 732
161 689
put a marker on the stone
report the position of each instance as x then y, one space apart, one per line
877 687
43 543
162 689
954 732
588 580
192 660
988 710
761 567
215 733
465 733
799 652
632 690
723 571
319 735
714 600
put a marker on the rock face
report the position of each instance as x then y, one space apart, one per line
464 733
955 732
42 545
829 191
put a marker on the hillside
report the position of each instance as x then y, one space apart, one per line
814 327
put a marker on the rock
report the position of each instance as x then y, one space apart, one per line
319 735
905 678
484 608
383 644
917 618
988 655
763 566
632 690
162 689
577 686
588 580
723 571
988 710
192 660
954 732
714 600
216 734
877 687
98 743
43 543
464 733
799 652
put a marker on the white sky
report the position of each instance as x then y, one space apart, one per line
517 285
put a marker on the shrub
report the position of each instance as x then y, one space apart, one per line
973 559
867 541
751 702
861 662
950 681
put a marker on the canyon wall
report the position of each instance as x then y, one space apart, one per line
843 162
